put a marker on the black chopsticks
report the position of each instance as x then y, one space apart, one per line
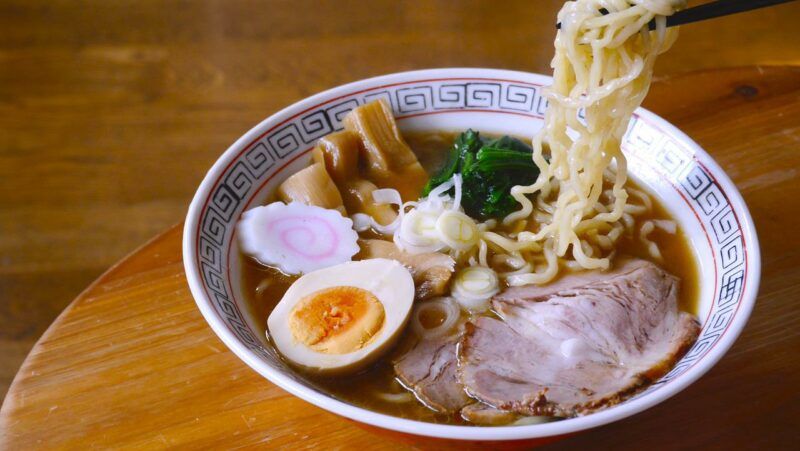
710 10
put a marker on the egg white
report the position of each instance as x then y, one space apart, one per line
388 280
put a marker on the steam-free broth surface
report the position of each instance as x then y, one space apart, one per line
264 287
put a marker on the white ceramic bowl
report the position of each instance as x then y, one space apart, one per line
690 184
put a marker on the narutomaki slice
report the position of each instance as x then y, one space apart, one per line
297 238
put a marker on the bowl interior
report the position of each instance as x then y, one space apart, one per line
687 181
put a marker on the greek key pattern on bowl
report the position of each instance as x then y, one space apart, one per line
282 142
716 214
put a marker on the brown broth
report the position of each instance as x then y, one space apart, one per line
264 287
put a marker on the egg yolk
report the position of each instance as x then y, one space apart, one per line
336 320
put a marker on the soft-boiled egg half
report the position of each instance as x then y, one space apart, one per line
342 318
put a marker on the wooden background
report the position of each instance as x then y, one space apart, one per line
110 112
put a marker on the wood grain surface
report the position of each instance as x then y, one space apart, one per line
131 363
112 111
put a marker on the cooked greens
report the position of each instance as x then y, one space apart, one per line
489 169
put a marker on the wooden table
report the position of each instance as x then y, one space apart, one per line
111 113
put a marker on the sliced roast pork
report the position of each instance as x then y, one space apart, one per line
588 341
430 370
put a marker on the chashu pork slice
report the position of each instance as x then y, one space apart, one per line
588 341
429 369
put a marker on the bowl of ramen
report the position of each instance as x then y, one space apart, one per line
475 254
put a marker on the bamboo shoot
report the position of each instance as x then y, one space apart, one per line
390 163
312 186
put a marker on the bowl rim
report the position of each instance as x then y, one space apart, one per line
454 432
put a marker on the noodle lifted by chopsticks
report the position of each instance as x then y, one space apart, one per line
602 68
